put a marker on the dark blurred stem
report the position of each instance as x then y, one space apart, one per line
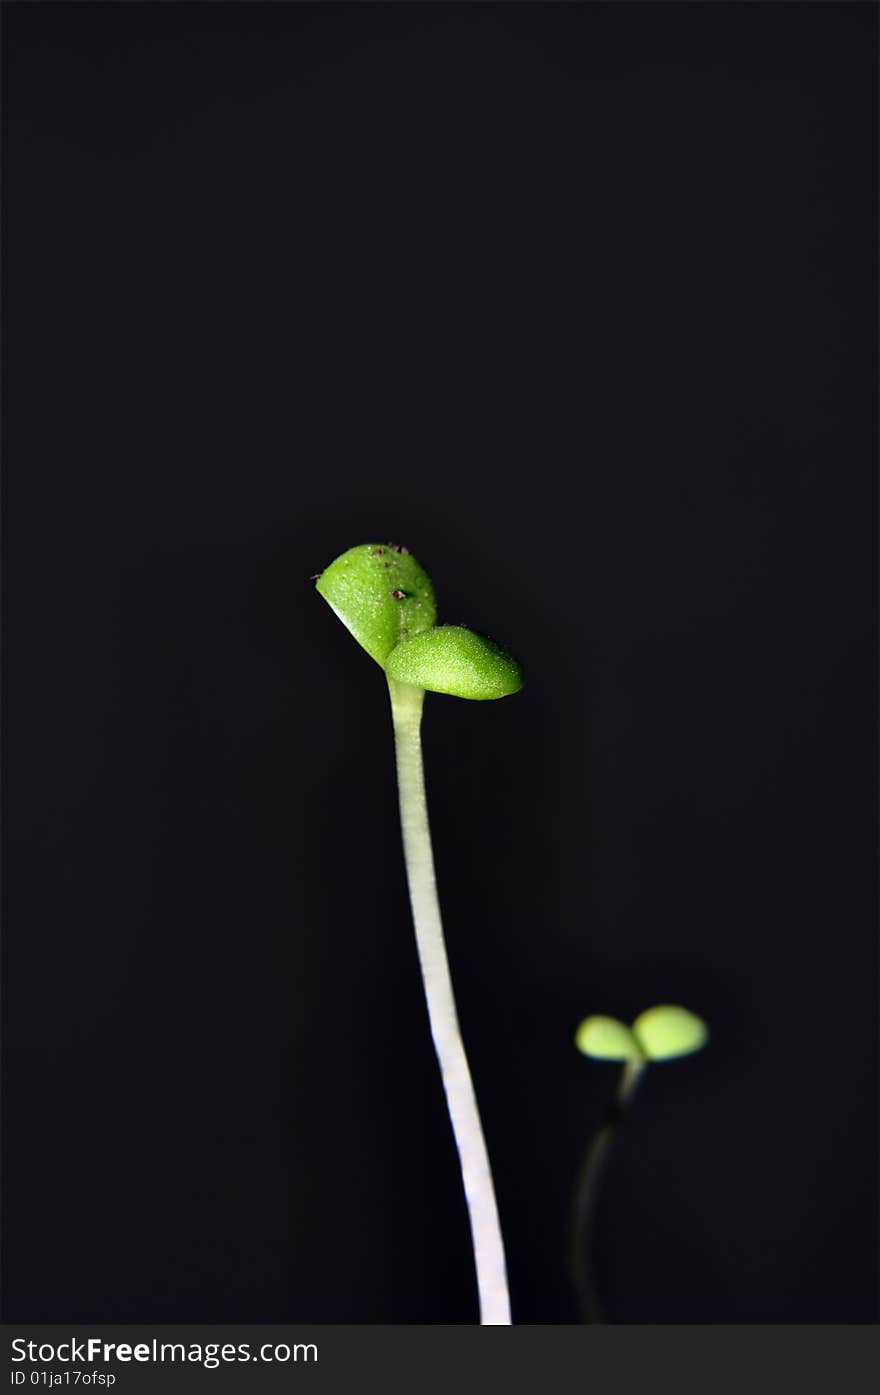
587 1194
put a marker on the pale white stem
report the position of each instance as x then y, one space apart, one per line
406 708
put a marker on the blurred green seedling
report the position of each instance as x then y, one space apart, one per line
663 1033
386 600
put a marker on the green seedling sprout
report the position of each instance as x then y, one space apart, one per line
661 1033
386 600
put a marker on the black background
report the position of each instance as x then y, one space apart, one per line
577 301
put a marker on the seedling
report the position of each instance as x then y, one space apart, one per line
386 600
659 1034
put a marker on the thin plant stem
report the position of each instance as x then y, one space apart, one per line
406 708
587 1193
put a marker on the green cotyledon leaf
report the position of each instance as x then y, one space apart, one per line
457 661
667 1031
606 1039
381 594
